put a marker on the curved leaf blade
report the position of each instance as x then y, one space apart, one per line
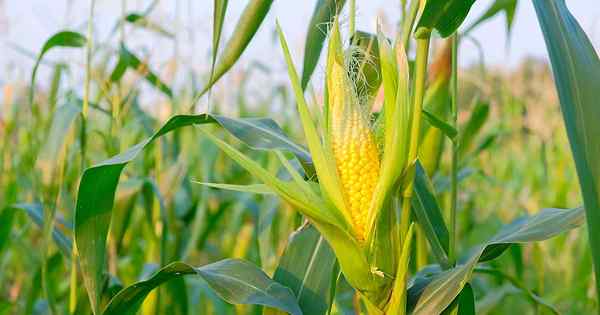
446 286
129 60
60 39
429 216
247 26
95 198
576 69
236 281
306 267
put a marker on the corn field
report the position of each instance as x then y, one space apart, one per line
379 176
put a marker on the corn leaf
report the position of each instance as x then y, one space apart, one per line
318 27
443 15
60 39
507 6
35 212
265 135
324 166
7 216
143 21
251 19
128 60
49 157
438 123
254 189
429 216
434 296
397 304
472 127
466 301
306 267
576 69
95 199
533 298
235 281
308 204
219 10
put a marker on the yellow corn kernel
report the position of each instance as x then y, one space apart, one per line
354 149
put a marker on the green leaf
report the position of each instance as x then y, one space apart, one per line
251 19
265 135
60 39
6 223
446 129
576 69
472 127
324 165
35 213
219 10
306 267
443 15
507 6
49 157
442 289
98 184
397 304
466 301
429 216
235 281
261 189
144 22
533 298
128 60
318 27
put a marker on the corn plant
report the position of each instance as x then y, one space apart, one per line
373 211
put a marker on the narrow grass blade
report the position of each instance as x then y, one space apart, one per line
235 281
576 68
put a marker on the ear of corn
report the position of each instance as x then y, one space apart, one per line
352 142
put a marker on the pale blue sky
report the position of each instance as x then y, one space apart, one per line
27 23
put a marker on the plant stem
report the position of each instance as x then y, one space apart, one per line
418 95
454 170
408 23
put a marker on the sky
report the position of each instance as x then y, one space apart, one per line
25 24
